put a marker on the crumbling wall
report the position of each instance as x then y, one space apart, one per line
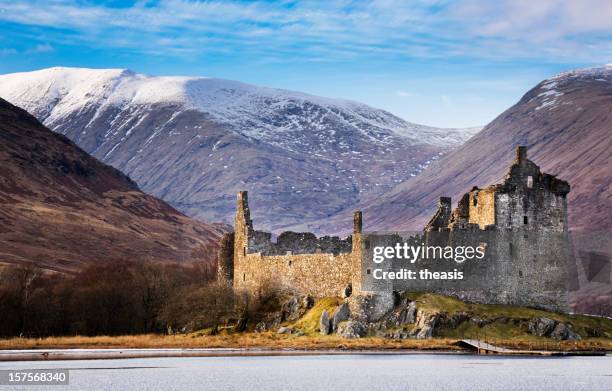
441 218
521 222
317 274
296 261
225 257
521 267
482 207
288 243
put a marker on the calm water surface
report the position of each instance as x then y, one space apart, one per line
353 372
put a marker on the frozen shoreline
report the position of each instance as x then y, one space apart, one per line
115 353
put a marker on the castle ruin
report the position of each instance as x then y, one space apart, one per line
522 223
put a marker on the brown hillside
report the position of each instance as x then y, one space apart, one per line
61 208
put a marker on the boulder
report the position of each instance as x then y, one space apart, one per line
352 329
325 325
291 309
564 332
425 324
341 314
410 316
285 330
542 327
269 321
371 307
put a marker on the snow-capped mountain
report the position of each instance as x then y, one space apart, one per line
566 123
195 141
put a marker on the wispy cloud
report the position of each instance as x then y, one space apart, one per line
40 48
403 94
339 30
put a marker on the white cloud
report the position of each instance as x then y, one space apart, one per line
335 29
403 94
41 48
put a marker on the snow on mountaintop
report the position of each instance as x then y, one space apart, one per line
552 89
257 112
599 71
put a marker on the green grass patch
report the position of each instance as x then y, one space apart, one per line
309 323
429 302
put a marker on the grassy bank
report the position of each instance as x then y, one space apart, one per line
499 325
271 340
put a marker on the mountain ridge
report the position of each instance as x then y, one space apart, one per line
61 209
303 158
565 121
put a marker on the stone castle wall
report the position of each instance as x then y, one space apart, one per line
522 222
296 261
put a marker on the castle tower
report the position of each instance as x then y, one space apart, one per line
521 154
357 222
243 225
225 258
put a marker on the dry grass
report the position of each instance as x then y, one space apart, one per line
271 340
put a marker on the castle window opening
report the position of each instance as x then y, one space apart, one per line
243 276
475 202
511 248
530 181
520 273
525 220
244 250
369 271
290 263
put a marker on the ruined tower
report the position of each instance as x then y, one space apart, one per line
523 224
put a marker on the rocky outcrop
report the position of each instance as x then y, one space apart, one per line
545 327
541 327
340 314
291 310
426 323
368 308
352 329
325 325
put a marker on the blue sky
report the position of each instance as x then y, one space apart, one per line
436 62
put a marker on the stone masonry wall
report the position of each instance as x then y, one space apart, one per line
522 222
317 274
296 261
482 207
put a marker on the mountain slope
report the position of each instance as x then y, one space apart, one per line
195 142
565 121
60 208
